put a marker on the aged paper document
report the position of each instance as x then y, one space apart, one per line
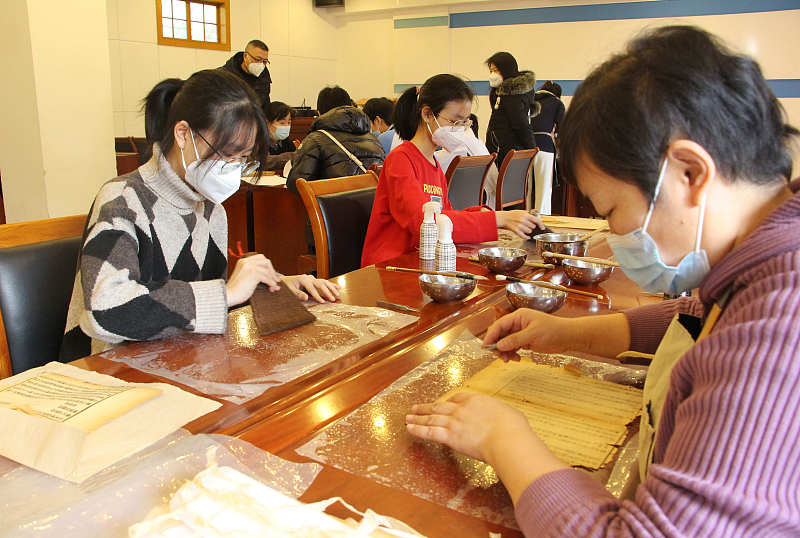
71 401
72 423
582 420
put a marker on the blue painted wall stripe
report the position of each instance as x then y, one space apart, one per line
784 88
422 22
619 11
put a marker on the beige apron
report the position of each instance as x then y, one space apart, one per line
675 343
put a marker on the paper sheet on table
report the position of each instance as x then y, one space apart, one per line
74 422
581 420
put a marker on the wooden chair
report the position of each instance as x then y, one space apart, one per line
37 270
512 181
466 177
125 144
339 211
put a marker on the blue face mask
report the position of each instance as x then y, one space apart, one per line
282 132
637 254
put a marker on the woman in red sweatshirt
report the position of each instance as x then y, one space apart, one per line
411 176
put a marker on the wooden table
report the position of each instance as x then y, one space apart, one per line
286 416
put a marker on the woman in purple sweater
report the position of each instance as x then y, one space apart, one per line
683 147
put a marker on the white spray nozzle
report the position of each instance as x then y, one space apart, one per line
430 209
445 226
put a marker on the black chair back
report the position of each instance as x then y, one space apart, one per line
516 175
464 189
35 289
346 216
124 144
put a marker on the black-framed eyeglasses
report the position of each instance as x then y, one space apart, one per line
264 61
247 166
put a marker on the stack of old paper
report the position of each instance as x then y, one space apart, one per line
576 223
580 419
71 423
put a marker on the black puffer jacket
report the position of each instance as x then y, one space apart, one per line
318 157
512 105
260 84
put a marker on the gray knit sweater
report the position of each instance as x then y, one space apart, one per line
153 263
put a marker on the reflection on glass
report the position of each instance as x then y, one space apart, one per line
196 12
179 9
179 28
211 33
440 342
166 9
166 27
210 14
197 31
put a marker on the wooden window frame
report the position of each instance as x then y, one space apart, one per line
224 33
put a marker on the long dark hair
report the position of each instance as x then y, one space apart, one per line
435 93
212 100
505 63
677 82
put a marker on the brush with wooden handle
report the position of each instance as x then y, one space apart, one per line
588 235
538 265
457 274
598 261
550 285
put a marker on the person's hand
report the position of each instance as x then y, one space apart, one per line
520 222
469 423
486 429
532 329
320 290
249 272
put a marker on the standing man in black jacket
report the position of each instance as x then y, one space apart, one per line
251 66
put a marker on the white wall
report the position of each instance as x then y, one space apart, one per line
302 41
56 140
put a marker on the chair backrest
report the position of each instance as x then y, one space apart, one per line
143 148
124 144
512 181
465 179
37 271
339 211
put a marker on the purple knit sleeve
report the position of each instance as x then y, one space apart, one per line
649 323
725 462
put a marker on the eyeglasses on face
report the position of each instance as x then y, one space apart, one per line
244 163
464 124
264 61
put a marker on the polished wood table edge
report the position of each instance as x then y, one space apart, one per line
322 384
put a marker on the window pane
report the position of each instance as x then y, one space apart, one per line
178 10
166 27
211 14
211 33
166 9
197 31
179 28
196 10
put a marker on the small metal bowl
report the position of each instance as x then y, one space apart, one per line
524 295
502 259
586 272
443 289
560 244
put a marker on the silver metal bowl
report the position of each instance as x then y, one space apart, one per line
502 259
524 295
443 289
586 272
560 243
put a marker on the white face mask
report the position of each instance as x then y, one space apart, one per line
212 178
637 254
449 137
495 79
256 68
282 132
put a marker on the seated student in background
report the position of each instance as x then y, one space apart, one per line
380 110
340 128
281 148
153 262
690 206
411 175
